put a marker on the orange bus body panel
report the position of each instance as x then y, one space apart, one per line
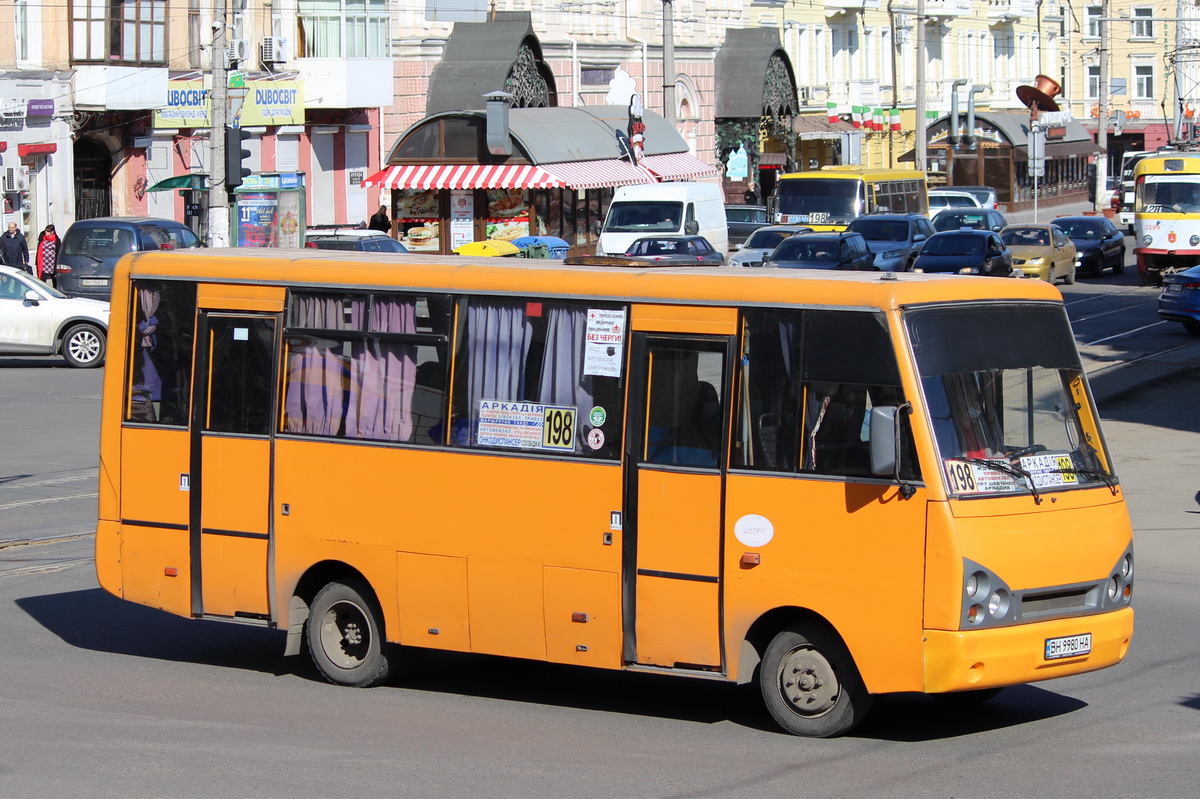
583 617
236 496
684 319
431 600
224 297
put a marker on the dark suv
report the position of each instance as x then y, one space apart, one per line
847 250
91 248
895 239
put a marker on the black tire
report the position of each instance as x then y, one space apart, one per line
83 346
345 636
1069 278
1119 266
810 684
1192 326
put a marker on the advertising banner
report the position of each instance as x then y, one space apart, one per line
273 102
187 105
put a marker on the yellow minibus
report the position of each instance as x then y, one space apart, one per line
834 196
836 485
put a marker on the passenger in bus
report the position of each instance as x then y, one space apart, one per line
1190 203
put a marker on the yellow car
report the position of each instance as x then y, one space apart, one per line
1041 251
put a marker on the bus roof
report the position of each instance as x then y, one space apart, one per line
721 286
855 172
1166 163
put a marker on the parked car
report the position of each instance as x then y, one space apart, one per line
1180 299
36 319
763 242
1099 242
823 251
945 198
742 221
1041 251
977 218
92 247
986 195
966 252
894 239
343 241
677 250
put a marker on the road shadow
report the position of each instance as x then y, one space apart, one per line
97 621
1169 403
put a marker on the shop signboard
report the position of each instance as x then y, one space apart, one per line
187 105
273 102
462 217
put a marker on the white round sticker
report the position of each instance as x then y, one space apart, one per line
754 530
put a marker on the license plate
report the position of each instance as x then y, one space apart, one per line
93 281
1068 646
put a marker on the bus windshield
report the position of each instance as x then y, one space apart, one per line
1010 419
1169 194
821 201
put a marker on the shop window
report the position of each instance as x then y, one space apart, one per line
367 367
160 366
539 377
462 138
810 379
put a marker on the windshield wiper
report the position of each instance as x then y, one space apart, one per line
1012 471
1104 476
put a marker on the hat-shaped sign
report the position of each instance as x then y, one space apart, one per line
1040 96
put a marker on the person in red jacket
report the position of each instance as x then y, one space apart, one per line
47 254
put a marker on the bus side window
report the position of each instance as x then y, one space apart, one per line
160 373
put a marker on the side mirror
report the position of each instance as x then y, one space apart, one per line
736 247
691 228
919 237
885 436
32 296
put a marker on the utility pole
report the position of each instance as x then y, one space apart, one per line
919 152
1180 40
1102 128
218 197
668 83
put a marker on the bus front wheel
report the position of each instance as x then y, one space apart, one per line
810 684
345 636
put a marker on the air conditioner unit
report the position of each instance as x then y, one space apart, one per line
804 94
16 178
273 50
236 51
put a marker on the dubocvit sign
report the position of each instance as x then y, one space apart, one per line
187 105
273 102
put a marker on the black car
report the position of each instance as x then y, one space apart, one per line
743 220
966 252
1099 243
895 239
823 251
380 243
976 218
91 248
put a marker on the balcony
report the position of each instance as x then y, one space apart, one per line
1002 11
119 88
833 7
346 82
947 8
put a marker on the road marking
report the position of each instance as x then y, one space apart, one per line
27 502
43 568
1135 360
1115 310
1126 333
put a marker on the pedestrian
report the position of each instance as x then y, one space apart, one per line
14 251
47 255
380 220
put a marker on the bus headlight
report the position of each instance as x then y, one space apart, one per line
1147 239
1114 587
1194 240
987 601
998 603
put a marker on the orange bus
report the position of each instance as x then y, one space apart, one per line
835 484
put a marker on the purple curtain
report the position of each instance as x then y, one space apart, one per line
498 336
383 377
318 374
562 379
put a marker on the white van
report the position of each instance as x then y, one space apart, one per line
682 208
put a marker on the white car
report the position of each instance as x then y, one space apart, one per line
941 199
36 319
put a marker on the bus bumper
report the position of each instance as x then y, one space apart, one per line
965 660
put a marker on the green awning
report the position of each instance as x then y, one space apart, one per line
181 182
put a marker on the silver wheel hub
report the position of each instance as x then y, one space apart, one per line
84 346
345 635
808 682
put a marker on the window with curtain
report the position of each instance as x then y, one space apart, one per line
160 369
807 384
366 366
119 31
543 377
1142 23
1143 82
343 29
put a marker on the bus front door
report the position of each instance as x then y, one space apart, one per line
674 457
230 501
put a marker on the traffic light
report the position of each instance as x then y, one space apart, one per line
235 154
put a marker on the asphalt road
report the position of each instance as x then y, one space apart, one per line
101 698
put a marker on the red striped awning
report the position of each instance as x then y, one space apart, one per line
678 166
599 174
464 176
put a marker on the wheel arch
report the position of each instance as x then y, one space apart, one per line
71 322
766 627
310 582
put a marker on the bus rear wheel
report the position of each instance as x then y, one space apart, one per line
810 684
345 636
